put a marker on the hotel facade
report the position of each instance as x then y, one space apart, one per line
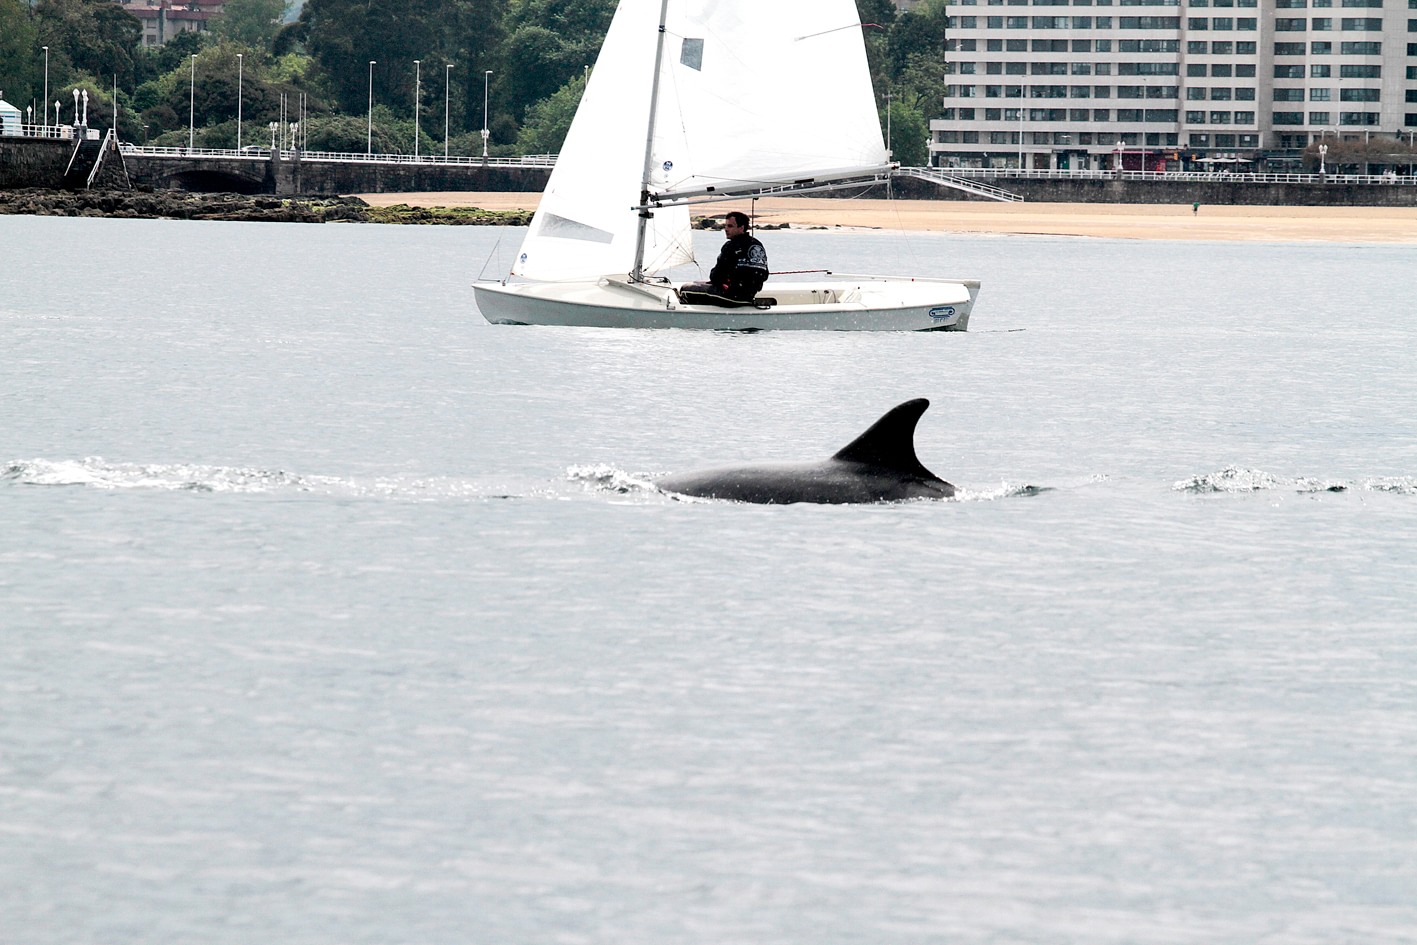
1147 84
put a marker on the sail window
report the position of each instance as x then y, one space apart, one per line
567 229
692 54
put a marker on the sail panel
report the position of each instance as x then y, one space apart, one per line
597 178
777 91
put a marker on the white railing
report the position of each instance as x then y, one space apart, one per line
57 132
256 153
1246 177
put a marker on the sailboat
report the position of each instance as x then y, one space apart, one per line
699 101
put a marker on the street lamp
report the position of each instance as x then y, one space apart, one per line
447 84
369 135
46 88
76 108
273 126
417 94
1323 156
485 76
240 75
192 103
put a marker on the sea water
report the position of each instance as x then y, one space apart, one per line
331 614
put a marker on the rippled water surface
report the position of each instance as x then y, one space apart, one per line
332 614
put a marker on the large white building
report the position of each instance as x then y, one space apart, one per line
1089 84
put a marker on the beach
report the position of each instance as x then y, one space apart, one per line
1114 221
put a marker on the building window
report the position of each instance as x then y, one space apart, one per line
1289 72
1289 49
1362 24
1361 49
1288 95
1197 23
1195 69
1219 118
1195 118
1320 118
1321 49
1246 23
1196 94
1360 72
1197 48
1015 45
1320 72
1322 24
1245 95
1369 119
1320 95
1246 49
1221 69
1359 95
1220 95
1082 45
1288 118
1223 47
1222 23
1288 25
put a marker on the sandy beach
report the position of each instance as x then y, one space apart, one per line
1119 221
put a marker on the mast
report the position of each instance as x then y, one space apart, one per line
638 274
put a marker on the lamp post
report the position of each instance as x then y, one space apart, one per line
46 89
485 76
192 103
417 94
240 75
76 108
273 126
1323 156
56 113
447 84
369 134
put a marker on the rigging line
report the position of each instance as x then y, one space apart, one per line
849 26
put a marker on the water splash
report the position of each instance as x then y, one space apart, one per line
1237 479
97 473
602 477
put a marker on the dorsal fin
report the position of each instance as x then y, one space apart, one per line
890 441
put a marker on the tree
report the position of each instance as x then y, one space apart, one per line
549 43
547 122
252 23
21 60
96 36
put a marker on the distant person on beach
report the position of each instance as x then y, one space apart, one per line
1196 207
740 271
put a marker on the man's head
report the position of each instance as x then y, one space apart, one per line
735 222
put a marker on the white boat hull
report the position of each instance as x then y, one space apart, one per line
847 303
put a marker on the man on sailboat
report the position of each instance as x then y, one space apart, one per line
740 271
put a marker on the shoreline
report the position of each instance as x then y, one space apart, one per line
1111 221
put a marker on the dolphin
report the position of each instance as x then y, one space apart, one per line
878 466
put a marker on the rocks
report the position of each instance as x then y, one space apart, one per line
183 205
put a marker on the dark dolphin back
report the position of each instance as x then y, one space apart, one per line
890 442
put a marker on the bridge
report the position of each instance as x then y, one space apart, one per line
259 170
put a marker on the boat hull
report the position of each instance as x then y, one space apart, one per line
847 303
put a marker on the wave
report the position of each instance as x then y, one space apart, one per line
1237 479
96 472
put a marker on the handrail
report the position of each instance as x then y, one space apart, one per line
1246 177
254 153
98 161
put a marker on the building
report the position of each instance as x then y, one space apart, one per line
164 19
1094 84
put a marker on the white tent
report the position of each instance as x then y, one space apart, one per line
9 119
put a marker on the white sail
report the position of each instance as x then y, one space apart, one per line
751 94
584 227
755 94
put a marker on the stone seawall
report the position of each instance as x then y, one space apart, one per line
33 162
1213 193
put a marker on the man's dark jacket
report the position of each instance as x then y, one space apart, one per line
741 269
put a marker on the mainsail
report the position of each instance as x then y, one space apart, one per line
752 95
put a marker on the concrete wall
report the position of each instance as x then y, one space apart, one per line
33 162
1214 193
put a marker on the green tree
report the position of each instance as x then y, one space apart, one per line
252 23
97 37
547 122
21 59
909 135
343 36
549 42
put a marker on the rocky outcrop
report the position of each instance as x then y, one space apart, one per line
181 205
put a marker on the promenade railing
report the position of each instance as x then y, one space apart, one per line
258 153
1239 177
